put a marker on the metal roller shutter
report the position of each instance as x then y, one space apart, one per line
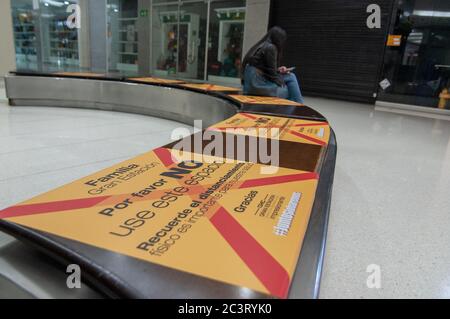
336 54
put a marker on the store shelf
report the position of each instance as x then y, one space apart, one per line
24 38
64 31
62 43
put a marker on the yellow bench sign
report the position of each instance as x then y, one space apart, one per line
218 218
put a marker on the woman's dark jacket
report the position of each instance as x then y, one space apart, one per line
265 58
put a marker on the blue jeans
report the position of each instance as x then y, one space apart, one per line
256 84
294 92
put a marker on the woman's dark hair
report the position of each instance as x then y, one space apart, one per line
277 36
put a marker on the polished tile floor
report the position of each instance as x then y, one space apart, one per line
391 201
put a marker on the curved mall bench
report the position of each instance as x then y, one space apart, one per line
171 224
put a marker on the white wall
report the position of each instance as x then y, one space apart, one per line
7 50
256 22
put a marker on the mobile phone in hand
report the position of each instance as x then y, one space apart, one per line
291 69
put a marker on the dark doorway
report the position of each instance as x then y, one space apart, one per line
418 68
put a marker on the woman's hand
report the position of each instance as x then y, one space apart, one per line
283 70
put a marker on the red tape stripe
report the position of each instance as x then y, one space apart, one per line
265 267
311 124
279 180
252 117
51 207
306 137
164 156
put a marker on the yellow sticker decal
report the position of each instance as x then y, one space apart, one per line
282 128
153 80
394 40
211 87
264 100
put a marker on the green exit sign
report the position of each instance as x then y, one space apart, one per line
144 13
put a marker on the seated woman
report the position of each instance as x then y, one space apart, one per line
262 74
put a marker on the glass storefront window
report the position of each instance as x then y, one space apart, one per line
179 32
192 39
226 38
179 39
123 35
417 65
60 47
25 32
42 38
164 40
